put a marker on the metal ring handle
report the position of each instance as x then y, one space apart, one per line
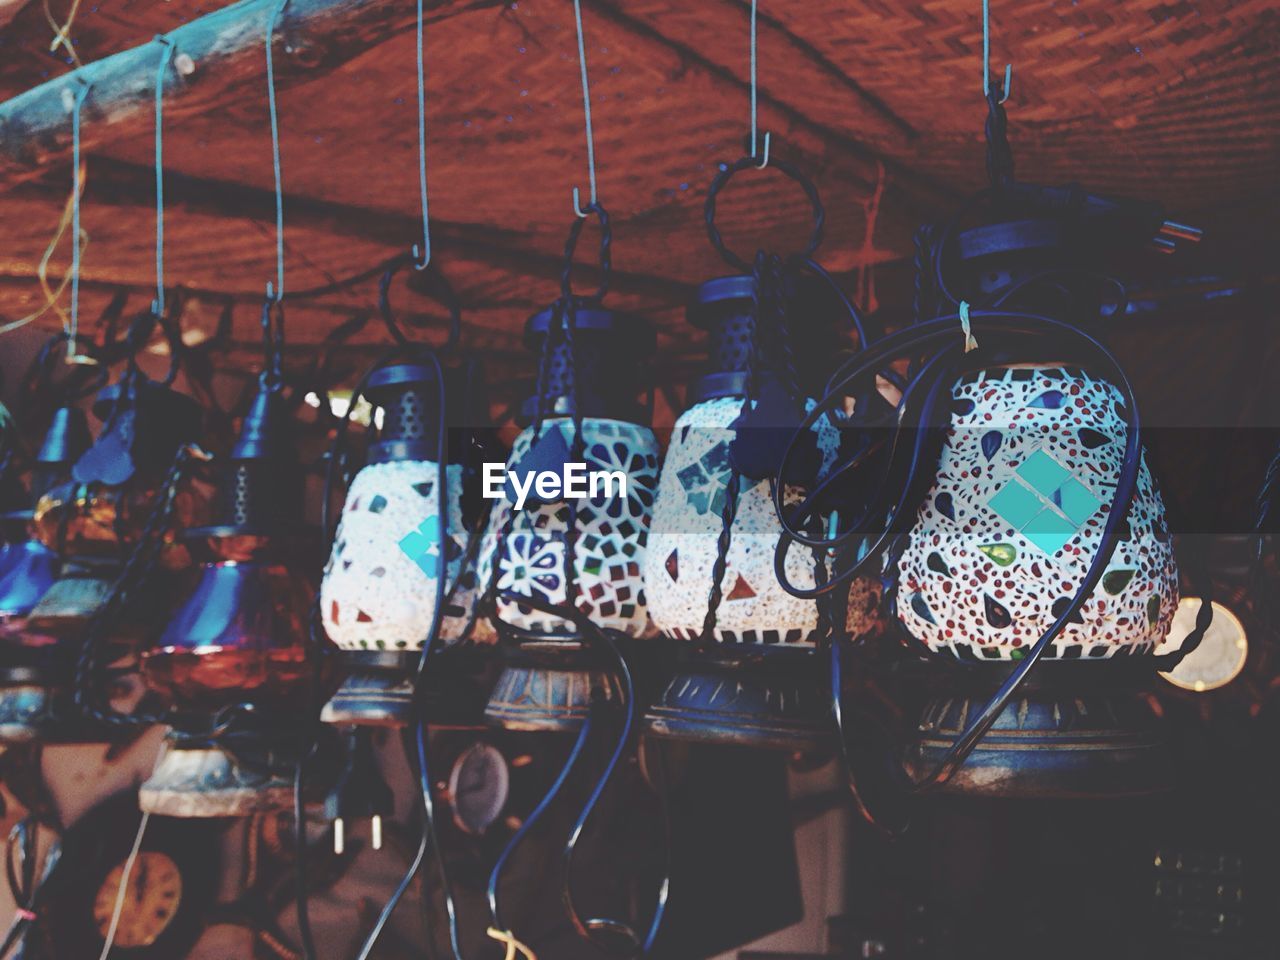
606 253
745 163
444 295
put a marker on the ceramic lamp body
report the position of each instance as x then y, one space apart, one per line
759 682
378 593
552 678
1014 519
531 551
684 544
587 552
379 587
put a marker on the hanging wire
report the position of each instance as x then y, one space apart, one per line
755 96
421 259
278 293
166 57
586 110
986 56
76 189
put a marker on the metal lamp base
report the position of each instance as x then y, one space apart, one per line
207 781
379 690
1056 740
769 700
26 713
549 685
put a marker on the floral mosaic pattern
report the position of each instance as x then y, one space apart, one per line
379 591
1003 540
610 544
684 543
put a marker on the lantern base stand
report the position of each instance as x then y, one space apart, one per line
1074 730
206 780
26 712
37 702
379 690
771 699
548 684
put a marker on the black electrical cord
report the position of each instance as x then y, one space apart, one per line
564 324
588 928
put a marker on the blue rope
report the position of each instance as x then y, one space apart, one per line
755 98
275 155
986 56
161 68
420 260
586 110
75 214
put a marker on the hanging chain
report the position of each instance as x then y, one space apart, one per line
999 153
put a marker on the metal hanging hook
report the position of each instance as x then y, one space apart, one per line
586 110
76 187
278 292
422 257
986 57
755 128
166 57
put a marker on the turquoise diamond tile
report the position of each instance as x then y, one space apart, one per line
1015 504
1077 501
1044 473
1049 531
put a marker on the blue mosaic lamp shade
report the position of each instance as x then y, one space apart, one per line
684 544
1005 536
531 549
379 590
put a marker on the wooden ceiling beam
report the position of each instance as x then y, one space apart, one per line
213 54
123 184
900 172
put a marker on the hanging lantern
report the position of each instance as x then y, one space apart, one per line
1004 537
750 675
233 660
93 521
378 595
584 551
1037 530
30 569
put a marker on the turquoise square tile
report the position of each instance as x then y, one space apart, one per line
1077 501
1015 504
1049 531
1043 472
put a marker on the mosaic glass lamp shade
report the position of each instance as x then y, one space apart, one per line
91 514
378 594
1000 545
550 674
775 700
239 639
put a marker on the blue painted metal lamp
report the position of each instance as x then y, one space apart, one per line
233 660
94 521
29 570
